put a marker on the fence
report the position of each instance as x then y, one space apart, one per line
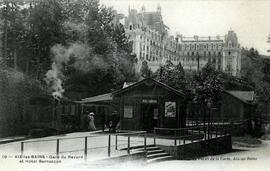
221 121
192 133
128 134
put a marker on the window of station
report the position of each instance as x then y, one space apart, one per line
128 111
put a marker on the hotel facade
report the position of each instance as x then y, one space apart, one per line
152 43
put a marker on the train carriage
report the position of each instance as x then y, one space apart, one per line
47 113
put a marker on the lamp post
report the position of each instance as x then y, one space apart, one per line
209 105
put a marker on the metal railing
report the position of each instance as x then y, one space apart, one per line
128 134
191 133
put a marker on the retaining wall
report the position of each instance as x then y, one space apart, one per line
198 149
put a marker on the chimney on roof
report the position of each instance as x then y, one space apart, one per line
159 8
143 9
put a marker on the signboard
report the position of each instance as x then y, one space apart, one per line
128 111
170 109
149 101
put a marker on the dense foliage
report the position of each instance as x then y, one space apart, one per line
72 48
255 69
37 34
172 75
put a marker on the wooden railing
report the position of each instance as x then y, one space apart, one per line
129 134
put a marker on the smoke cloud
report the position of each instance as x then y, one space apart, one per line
77 55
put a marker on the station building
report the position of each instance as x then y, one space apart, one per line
142 106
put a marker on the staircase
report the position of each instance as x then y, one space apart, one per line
154 153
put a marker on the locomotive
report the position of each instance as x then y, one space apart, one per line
64 115
56 115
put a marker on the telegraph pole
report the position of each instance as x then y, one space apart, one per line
198 61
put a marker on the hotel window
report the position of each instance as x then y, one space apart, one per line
230 44
147 57
219 46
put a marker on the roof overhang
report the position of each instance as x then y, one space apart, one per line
100 98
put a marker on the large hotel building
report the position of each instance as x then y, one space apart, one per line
151 43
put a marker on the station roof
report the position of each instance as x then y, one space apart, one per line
244 96
177 92
128 86
98 98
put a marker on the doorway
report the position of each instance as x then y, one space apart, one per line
150 116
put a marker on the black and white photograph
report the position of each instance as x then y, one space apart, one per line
148 85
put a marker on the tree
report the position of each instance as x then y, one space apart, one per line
11 30
266 70
145 70
171 75
31 33
178 74
207 85
107 62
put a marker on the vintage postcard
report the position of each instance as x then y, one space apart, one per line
134 84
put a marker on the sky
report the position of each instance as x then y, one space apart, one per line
248 18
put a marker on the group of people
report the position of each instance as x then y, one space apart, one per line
113 123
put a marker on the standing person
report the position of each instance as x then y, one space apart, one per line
113 122
91 125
